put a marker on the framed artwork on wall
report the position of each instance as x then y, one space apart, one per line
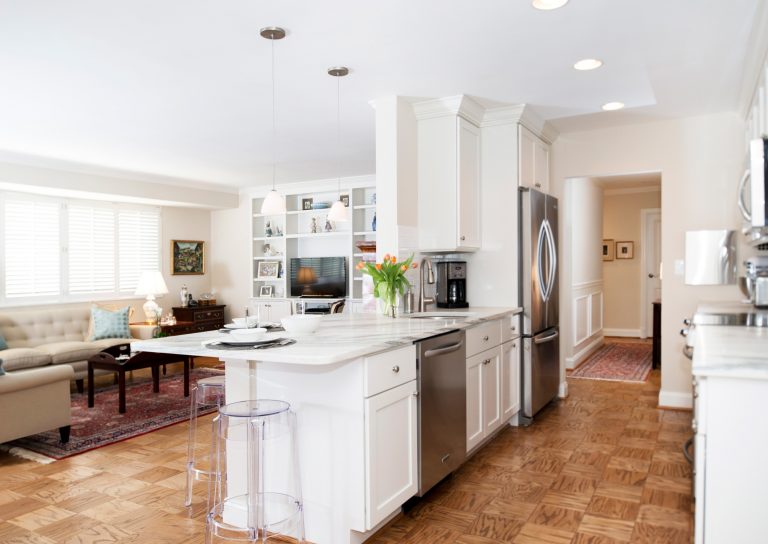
608 250
187 257
625 250
268 270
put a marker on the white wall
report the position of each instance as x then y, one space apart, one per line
230 256
700 160
581 280
184 224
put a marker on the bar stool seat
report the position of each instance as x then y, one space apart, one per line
206 392
255 485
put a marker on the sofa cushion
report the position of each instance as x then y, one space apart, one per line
18 358
69 352
107 324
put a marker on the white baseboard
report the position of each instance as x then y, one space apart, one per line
675 399
577 358
624 333
562 391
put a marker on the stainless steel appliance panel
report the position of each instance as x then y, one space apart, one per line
553 291
532 247
541 370
710 257
442 407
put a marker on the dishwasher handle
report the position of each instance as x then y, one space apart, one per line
545 339
446 349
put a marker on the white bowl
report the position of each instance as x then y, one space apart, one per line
301 323
240 321
248 334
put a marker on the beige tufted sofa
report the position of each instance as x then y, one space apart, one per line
38 338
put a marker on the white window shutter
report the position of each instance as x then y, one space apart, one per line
32 247
139 243
91 252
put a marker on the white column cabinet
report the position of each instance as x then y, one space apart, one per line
510 378
391 444
533 162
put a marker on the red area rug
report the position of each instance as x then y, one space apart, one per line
620 362
102 425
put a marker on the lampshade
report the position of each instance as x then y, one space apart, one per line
273 204
151 283
338 212
305 275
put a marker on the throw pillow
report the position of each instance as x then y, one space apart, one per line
108 307
2 371
107 324
3 343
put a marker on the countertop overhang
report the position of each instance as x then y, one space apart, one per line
340 338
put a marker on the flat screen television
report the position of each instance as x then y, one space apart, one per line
319 277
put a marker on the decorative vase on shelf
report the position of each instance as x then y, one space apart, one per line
389 281
183 294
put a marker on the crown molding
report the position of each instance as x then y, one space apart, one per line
461 105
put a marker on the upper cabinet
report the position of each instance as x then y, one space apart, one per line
449 183
533 163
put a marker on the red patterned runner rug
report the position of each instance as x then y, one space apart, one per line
102 425
619 361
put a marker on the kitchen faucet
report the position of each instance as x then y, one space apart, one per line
423 301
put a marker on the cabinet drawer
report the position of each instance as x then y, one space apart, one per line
208 315
387 370
484 336
510 327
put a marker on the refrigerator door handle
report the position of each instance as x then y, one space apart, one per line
545 339
552 258
539 262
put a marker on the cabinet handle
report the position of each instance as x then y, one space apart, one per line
415 393
395 369
486 361
485 338
514 345
463 238
538 185
694 426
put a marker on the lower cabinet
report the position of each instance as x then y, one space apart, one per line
493 390
391 444
274 310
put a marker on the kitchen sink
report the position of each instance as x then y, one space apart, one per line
442 315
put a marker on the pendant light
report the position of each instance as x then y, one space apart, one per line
273 203
338 210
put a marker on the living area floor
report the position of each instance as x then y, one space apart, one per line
603 466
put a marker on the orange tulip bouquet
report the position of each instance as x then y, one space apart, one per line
389 280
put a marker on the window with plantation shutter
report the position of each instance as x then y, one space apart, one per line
91 249
139 243
32 247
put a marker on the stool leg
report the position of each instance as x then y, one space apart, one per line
214 481
297 476
191 446
255 480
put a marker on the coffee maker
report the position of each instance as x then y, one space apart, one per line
451 284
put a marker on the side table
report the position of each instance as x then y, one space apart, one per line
656 350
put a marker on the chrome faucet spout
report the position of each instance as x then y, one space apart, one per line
423 301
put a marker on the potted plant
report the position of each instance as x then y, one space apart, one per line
389 280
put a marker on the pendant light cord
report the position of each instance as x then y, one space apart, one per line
338 135
274 121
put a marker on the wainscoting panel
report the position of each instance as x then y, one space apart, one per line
587 318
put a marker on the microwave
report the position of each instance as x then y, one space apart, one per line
755 184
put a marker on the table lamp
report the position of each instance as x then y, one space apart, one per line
306 276
151 283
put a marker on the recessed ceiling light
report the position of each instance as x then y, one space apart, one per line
588 64
612 106
548 4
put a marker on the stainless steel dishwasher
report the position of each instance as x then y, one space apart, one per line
442 407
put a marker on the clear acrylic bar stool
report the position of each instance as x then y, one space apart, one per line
255 487
206 392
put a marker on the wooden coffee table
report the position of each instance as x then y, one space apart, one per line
111 360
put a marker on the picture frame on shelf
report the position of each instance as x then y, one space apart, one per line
306 203
268 270
344 199
625 250
187 257
609 250
266 291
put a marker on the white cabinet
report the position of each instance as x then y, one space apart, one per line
449 184
510 378
475 426
391 463
272 310
533 161
491 390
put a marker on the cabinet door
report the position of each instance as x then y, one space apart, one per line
468 185
475 427
491 372
510 379
526 163
391 462
541 165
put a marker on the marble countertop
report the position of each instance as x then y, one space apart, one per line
340 338
733 352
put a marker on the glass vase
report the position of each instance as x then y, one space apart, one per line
389 300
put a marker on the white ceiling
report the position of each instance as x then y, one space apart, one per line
181 87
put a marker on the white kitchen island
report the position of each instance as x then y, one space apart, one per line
353 387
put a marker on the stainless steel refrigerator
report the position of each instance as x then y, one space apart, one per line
539 298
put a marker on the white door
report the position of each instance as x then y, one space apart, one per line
468 202
651 265
491 371
391 460
510 379
475 428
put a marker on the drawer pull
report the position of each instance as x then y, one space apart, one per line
415 393
395 369
463 238
485 338
487 361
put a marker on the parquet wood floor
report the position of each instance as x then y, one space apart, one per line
602 466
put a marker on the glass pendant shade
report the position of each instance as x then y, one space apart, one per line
273 204
338 212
